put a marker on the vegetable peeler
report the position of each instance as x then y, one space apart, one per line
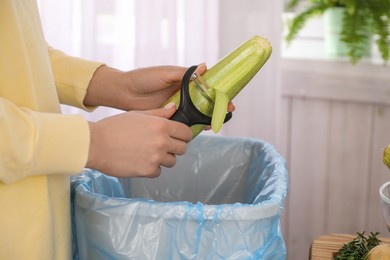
187 113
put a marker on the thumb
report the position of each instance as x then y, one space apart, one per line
166 112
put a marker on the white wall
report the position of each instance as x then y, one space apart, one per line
335 125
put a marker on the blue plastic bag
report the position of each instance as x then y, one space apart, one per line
223 200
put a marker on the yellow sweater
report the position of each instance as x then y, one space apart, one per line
39 148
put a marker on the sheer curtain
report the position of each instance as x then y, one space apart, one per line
127 34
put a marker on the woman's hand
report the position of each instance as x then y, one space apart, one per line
136 144
140 89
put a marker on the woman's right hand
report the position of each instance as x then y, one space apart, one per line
137 143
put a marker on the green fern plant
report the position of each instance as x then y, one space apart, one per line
359 16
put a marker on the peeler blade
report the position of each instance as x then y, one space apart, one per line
202 85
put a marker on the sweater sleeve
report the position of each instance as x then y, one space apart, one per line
34 143
72 76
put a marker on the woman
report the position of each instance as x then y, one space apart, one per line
40 148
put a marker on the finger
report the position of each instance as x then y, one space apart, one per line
172 74
180 131
156 172
176 147
169 160
165 112
231 107
170 105
177 130
201 69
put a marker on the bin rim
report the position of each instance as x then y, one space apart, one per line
263 209
243 211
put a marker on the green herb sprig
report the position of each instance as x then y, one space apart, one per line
358 248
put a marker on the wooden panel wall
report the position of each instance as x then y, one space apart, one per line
336 122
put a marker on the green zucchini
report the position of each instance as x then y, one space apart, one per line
226 79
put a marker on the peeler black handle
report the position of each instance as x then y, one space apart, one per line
187 113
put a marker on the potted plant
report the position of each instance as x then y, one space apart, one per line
359 20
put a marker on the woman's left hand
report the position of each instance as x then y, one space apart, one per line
139 89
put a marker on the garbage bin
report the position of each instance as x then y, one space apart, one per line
222 200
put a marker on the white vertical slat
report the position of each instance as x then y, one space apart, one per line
378 173
349 157
308 170
286 112
286 117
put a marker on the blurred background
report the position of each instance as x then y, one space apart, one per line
329 118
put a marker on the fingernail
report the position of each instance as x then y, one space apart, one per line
202 65
170 105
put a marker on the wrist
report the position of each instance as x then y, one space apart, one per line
105 88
